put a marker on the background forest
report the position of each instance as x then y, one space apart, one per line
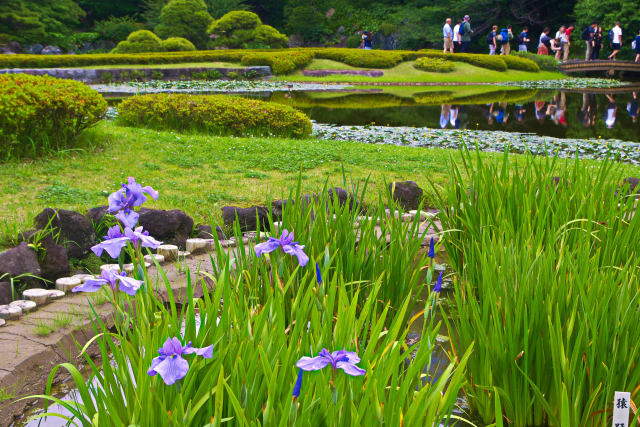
97 25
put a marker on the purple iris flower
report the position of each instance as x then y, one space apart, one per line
342 359
432 249
298 385
129 196
318 275
287 244
438 286
170 364
119 281
115 241
137 235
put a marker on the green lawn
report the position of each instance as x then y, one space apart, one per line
405 72
199 174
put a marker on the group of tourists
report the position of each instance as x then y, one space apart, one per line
458 39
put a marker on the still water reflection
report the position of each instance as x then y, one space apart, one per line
560 114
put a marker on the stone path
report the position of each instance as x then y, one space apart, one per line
28 357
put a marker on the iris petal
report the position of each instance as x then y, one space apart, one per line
91 285
172 369
267 247
112 246
128 218
206 352
350 368
312 363
129 285
298 251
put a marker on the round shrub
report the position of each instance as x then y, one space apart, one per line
269 36
185 18
545 62
353 41
43 114
242 29
437 65
140 41
177 44
215 114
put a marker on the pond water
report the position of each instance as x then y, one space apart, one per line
574 114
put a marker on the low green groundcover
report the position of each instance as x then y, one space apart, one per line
217 114
434 64
43 114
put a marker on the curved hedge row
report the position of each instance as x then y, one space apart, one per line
283 62
216 114
437 65
492 62
44 114
545 62
520 63
361 58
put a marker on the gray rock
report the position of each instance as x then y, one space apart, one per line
278 206
204 231
16 47
35 49
248 218
55 262
76 231
5 293
407 193
20 260
171 227
51 50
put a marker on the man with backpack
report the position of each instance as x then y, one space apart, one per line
491 40
465 33
588 36
615 37
506 36
523 39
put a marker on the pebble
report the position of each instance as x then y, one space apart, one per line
65 284
26 306
8 312
37 295
169 252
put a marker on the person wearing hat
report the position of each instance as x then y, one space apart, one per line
465 32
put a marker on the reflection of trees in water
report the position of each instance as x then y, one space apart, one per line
555 113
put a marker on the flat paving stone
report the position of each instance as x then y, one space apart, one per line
66 284
2 322
83 277
26 306
9 312
55 294
169 252
38 295
106 267
152 257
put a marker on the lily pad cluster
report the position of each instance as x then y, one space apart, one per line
493 141
572 83
214 86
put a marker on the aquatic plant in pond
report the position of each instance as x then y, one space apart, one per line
170 365
491 141
569 83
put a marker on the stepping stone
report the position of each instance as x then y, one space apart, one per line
169 252
106 267
55 294
129 267
84 277
8 312
184 254
209 244
66 284
195 245
37 295
424 215
228 243
150 258
407 217
2 322
26 306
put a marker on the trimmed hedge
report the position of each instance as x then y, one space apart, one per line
545 62
437 65
361 58
492 62
216 114
283 62
178 44
43 114
520 63
140 41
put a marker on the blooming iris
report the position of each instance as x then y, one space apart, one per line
432 249
342 359
129 196
128 285
318 274
170 364
116 240
287 244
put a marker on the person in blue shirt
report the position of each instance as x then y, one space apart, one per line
637 40
523 39
447 34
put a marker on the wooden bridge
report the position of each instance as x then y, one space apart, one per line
608 66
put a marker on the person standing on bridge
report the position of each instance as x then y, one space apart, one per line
616 40
637 49
565 42
588 36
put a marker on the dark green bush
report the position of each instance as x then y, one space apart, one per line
139 41
437 65
387 29
283 62
240 29
545 62
215 114
520 63
43 114
185 18
177 44
116 28
353 41
361 58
